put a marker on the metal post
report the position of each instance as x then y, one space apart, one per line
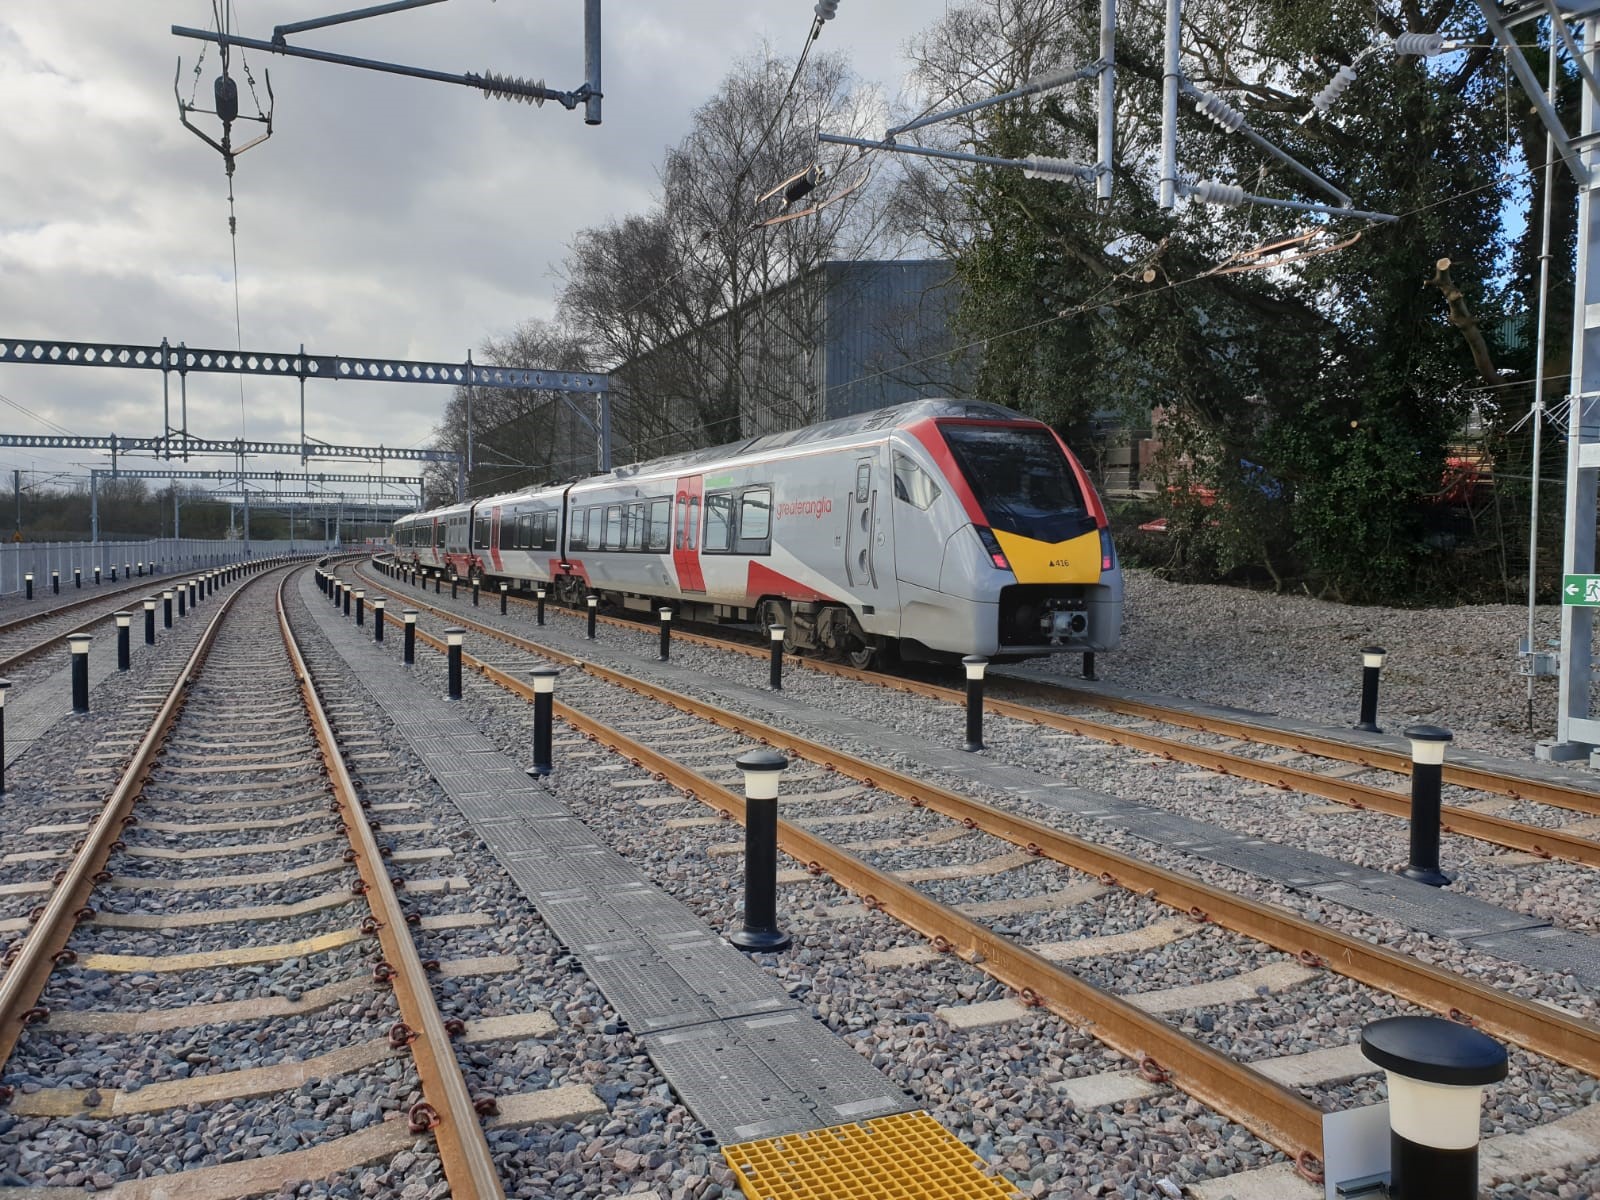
544 687
1088 666
666 633
377 619
361 606
591 63
775 662
1169 107
166 616
192 594
1427 771
5 684
55 583
975 665
97 577
454 580
183 594
538 612
593 602
505 588
345 591
475 582
124 633
150 621
438 577
28 583
1371 667
1436 1071
453 639
77 577
409 618
761 773
141 569
79 644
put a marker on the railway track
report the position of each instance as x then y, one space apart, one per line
172 968
919 851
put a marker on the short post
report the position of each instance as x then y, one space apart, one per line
775 662
378 605
79 644
505 589
1436 1071
4 685
1371 665
141 570
593 602
1427 772
1088 666
113 573
97 577
182 597
361 606
544 699
27 581
127 570
345 590
475 583
761 772
192 593
77 577
55 582
975 665
408 617
166 614
453 639
454 580
538 611
150 621
437 579
124 633
666 633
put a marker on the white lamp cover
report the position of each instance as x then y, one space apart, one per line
761 785
378 604
166 595
975 669
361 594
453 637
150 606
410 618
775 632
1371 660
1427 754
124 620
1441 1115
593 601
79 642
666 614
544 684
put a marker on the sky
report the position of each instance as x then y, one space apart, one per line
385 217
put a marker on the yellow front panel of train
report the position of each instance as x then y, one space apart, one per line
1076 560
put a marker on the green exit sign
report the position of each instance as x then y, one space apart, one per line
1581 589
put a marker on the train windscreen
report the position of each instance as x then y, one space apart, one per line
1021 479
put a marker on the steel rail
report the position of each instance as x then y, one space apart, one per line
1500 831
463 1150
32 960
1481 779
1273 1112
1534 1026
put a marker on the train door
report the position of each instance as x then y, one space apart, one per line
494 538
686 534
869 556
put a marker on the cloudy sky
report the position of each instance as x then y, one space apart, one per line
386 216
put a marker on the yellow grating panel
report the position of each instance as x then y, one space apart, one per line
908 1156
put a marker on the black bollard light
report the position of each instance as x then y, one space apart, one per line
124 632
1436 1071
182 600
150 621
55 583
344 595
544 702
538 609
141 570
505 589
1427 772
475 582
361 606
666 633
1371 665
409 618
79 645
593 602
77 577
27 582
761 773
127 570
192 593
775 660
454 581
377 618
453 639
438 578
1088 666
113 574
975 665
5 685
166 610
97 577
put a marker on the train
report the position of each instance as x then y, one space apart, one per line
925 531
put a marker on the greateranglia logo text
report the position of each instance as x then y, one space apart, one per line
806 508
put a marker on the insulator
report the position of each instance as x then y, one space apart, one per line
1424 44
226 93
1053 168
1328 96
827 10
1219 110
1053 79
1211 191
510 87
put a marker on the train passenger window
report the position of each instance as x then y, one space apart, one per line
635 527
863 481
575 538
659 520
719 523
552 529
508 531
482 542
613 528
593 522
755 520
912 484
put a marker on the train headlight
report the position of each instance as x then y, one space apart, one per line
991 544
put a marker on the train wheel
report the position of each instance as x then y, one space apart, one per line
861 651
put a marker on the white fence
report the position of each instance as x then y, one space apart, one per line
169 554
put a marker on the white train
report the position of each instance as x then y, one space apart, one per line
929 529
